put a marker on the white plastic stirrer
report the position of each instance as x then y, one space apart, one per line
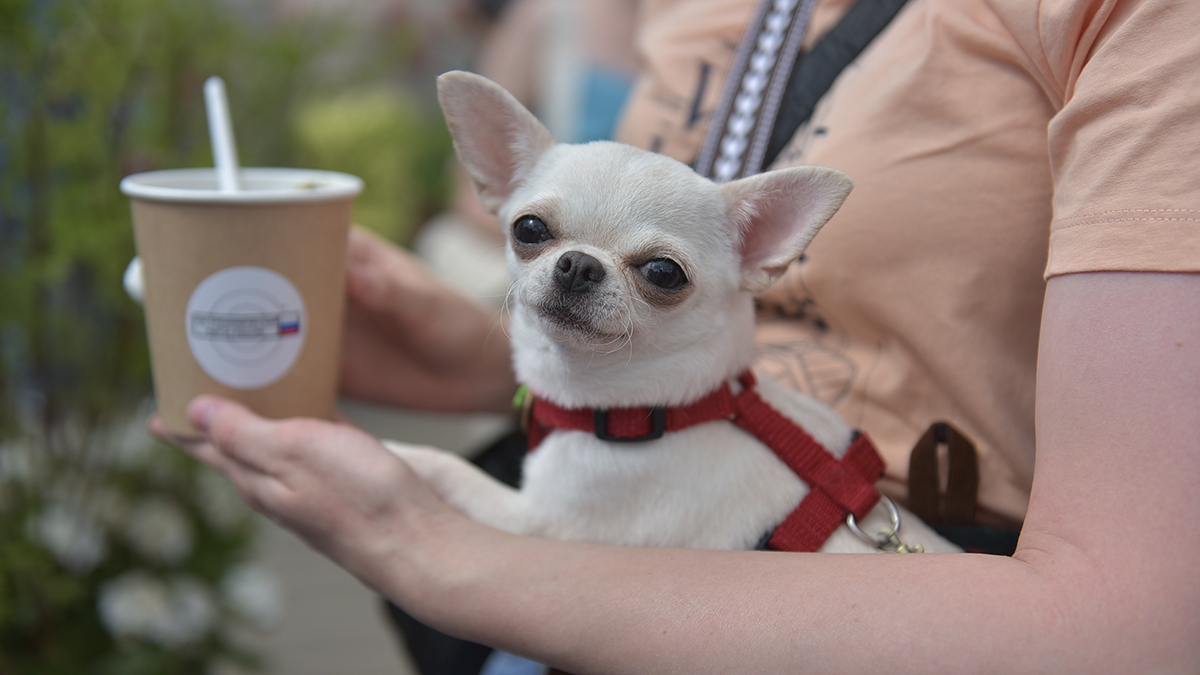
220 131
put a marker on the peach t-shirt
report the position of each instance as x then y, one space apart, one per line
992 143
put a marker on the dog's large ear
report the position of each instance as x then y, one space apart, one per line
497 140
777 214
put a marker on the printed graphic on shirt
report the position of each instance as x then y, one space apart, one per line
798 347
246 326
791 299
822 372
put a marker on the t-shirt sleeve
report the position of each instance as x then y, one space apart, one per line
1125 144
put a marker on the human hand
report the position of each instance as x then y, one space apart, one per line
332 485
412 341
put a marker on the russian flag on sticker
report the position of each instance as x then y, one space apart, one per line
289 323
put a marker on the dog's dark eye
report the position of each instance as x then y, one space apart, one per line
664 273
531 230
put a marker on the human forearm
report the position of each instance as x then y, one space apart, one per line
1103 580
377 369
588 609
411 341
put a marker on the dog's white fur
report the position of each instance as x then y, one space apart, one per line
625 342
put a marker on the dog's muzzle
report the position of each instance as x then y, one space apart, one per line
577 272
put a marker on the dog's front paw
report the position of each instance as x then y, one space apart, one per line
426 462
466 487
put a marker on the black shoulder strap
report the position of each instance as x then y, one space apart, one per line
772 87
815 71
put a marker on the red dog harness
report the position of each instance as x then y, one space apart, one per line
837 487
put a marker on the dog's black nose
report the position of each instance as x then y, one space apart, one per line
578 272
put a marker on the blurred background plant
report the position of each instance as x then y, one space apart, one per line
118 555
122 556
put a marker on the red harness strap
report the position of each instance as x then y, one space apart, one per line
837 487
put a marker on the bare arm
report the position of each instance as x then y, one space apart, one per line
1103 580
411 341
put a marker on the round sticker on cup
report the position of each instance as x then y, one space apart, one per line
246 326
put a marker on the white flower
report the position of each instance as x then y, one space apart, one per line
219 501
139 605
254 594
159 530
192 612
75 540
133 604
125 455
16 463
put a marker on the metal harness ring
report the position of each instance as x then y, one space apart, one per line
888 539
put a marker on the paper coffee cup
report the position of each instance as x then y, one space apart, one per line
244 290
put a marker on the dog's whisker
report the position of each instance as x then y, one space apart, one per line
630 322
632 318
607 344
506 308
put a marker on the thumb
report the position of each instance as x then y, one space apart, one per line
232 428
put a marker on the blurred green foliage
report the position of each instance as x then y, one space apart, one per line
75 527
346 133
91 91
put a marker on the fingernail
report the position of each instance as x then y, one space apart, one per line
200 413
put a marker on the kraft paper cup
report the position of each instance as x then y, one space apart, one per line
244 290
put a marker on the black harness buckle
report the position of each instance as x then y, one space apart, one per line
658 427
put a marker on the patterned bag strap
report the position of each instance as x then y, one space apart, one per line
741 124
772 88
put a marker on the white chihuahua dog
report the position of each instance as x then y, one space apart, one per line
632 325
